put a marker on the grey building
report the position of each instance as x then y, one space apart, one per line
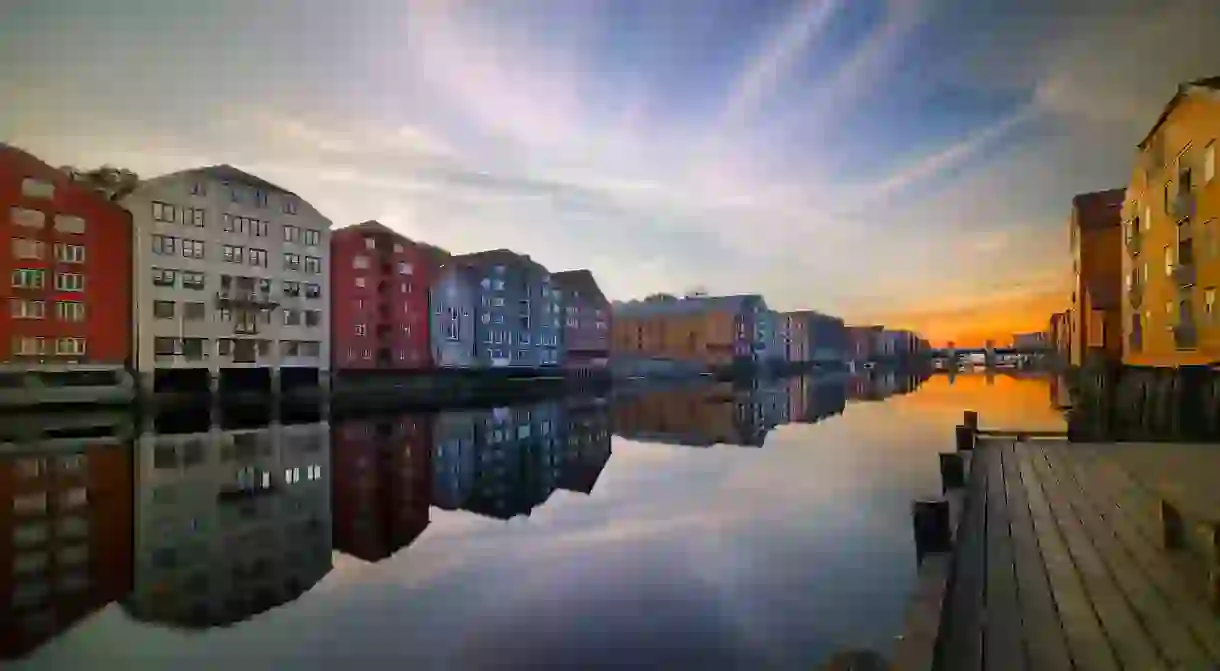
496 309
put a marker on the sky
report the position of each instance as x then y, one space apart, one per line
904 162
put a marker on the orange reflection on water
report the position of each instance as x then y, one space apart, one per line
1003 401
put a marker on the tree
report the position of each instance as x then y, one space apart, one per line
113 182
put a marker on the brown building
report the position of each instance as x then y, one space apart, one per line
1057 333
586 320
65 540
710 330
1097 276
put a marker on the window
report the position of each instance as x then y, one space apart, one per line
163 309
292 288
1169 308
27 218
404 268
258 228
361 329
311 348
1168 197
25 278
30 467
71 346
234 192
360 282
313 290
1209 305
234 223
37 188
313 317
224 347
360 262
70 311
69 282
453 329
313 265
405 287
498 285
397 248
260 198
75 554
193 216
192 279
289 348
199 189
497 302
290 206
192 249
30 503
29 346
164 244
69 253
23 309
1168 260
310 237
1209 162
292 261
27 249
233 253
370 243
292 318
258 257
164 212
165 346
193 312
291 233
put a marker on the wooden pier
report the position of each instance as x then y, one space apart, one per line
1062 557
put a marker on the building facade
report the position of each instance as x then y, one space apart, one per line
708 331
586 320
863 343
797 325
515 313
231 273
827 338
379 299
1171 220
65 333
1097 276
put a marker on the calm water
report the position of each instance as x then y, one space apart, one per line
697 528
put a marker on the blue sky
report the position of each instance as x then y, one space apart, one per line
867 157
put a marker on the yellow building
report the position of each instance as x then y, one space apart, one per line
1171 222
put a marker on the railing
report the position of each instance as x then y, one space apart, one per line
1135 242
1183 205
245 296
1184 274
1185 336
1135 294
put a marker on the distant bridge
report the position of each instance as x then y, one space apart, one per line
999 351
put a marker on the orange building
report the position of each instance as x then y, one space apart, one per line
65 539
714 331
1095 322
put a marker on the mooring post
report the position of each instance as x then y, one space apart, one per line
1172 531
952 470
1213 568
965 438
933 531
970 418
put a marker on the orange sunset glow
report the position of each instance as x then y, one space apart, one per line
974 325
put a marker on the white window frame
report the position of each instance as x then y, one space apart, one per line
20 308
27 248
32 187
29 278
70 346
70 311
69 253
193 249
74 282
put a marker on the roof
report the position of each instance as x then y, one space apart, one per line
226 172
1184 89
374 226
683 306
1098 210
493 257
579 281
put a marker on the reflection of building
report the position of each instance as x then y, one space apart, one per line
65 537
516 467
702 416
454 455
812 399
587 448
382 479
230 523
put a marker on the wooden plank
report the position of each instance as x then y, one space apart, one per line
1168 633
962 646
1013 433
1181 585
1045 644
1002 635
1087 644
1130 641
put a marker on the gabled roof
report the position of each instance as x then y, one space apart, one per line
226 172
582 281
493 257
373 226
1184 89
1099 210
684 306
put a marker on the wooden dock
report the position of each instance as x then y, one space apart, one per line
1062 559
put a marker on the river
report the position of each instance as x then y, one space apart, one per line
701 527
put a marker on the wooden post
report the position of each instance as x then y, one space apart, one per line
965 438
1213 568
1172 530
952 470
932 527
970 418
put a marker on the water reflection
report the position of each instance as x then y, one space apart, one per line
193 520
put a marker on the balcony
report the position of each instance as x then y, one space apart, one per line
1135 295
1183 206
1185 336
240 296
1135 242
1184 275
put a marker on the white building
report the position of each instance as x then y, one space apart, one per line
231 271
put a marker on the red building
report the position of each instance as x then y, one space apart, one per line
381 485
67 260
379 298
65 540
